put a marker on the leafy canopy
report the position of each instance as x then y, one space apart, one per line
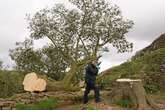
83 31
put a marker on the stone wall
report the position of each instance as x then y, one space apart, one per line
30 98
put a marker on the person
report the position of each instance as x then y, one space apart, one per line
91 71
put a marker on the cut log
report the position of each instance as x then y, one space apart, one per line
33 83
40 85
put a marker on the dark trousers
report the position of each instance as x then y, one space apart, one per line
90 85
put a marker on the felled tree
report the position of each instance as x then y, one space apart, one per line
25 57
79 34
44 61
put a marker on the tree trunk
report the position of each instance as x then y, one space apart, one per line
141 96
67 81
76 67
135 93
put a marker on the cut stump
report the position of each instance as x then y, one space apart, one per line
134 92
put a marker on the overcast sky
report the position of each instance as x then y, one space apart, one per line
148 16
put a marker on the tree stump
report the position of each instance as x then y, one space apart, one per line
134 92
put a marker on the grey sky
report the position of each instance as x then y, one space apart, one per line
148 15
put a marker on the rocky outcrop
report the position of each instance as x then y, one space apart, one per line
7 104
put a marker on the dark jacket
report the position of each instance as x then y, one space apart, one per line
91 73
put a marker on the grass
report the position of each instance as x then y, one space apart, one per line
125 103
47 104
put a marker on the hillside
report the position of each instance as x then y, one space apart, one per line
156 44
148 65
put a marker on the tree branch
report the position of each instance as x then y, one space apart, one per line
97 45
77 45
66 57
108 40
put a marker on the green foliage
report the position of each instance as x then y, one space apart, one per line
47 104
42 61
10 83
82 31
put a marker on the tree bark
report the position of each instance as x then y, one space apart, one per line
67 81
144 100
141 96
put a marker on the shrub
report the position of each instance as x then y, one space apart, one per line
10 83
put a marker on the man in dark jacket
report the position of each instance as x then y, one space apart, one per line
90 79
